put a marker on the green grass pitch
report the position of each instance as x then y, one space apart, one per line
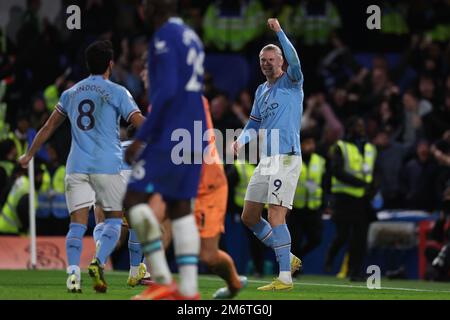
51 285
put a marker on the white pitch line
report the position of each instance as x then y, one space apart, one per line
340 286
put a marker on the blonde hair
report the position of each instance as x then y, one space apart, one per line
272 47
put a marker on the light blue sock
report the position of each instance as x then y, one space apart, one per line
98 230
263 231
109 238
282 246
74 243
134 248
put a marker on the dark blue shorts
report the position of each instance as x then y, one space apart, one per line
155 172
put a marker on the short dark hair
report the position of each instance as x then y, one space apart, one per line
98 55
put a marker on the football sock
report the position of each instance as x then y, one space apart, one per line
74 245
74 269
98 230
187 248
109 238
134 249
147 228
282 247
263 231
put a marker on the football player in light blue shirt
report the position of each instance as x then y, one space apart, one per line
94 107
278 104
138 270
277 108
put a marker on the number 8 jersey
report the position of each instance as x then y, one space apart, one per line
94 107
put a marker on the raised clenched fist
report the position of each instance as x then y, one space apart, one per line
274 24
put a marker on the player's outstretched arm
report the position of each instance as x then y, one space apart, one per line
55 120
294 69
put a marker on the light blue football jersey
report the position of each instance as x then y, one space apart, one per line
94 107
278 108
125 145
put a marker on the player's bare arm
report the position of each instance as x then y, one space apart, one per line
55 120
137 119
132 151
235 147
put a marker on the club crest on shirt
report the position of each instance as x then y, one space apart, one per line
160 46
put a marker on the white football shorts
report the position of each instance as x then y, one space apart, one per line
274 180
105 190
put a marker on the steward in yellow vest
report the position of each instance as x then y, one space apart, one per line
244 172
8 156
305 219
316 21
14 216
285 15
44 204
352 167
358 163
59 205
53 201
21 135
231 25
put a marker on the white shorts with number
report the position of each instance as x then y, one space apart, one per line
104 190
275 180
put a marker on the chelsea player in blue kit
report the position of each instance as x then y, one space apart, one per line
277 108
93 175
175 68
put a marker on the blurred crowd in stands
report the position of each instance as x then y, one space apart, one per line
397 78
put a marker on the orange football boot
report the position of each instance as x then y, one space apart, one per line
157 291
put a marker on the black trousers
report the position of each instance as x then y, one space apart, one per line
304 224
350 217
